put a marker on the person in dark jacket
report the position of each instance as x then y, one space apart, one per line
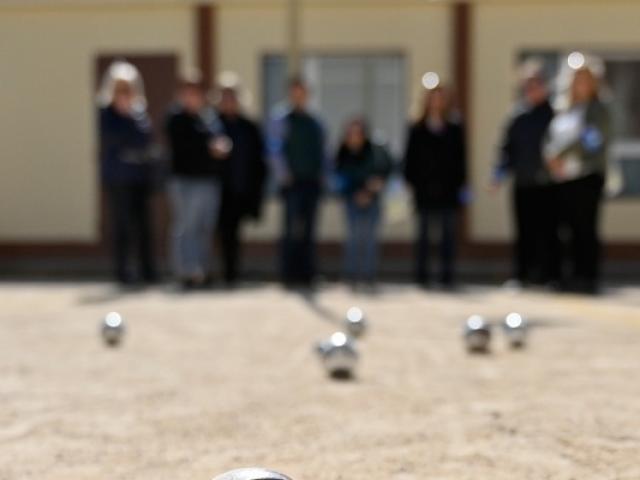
127 173
435 169
362 168
296 147
576 155
198 152
243 178
536 252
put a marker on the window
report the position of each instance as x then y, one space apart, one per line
621 81
343 86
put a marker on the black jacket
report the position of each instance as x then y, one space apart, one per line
521 152
124 144
189 137
435 164
245 171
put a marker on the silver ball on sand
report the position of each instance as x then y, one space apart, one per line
477 334
515 327
112 329
339 356
355 322
253 473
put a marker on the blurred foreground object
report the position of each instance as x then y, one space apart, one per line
252 473
339 356
112 329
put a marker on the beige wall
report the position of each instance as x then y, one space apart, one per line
500 31
48 189
47 169
420 31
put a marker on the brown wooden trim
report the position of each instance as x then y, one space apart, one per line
205 32
63 249
461 46
461 13
393 249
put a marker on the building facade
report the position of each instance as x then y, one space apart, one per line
360 56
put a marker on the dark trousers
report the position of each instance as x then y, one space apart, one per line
298 248
445 218
130 214
231 216
580 202
536 252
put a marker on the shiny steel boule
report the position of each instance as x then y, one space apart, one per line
515 328
339 356
355 322
477 334
112 329
252 473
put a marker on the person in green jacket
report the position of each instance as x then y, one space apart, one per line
296 152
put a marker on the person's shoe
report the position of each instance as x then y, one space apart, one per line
370 287
513 284
187 285
448 285
586 286
151 279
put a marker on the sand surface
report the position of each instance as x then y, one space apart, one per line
208 382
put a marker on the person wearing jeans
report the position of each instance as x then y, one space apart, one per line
198 151
435 169
195 204
361 169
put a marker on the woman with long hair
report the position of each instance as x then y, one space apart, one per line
362 168
126 172
575 152
435 169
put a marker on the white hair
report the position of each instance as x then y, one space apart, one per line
122 71
228 80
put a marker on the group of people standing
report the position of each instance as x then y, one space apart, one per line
216 177
557 158
219 163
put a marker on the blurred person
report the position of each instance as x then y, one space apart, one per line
576 155
244 175
126 170
435 169
198 152
296 147
534 209
362 168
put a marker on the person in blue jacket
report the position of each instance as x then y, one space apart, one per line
127 171
362 168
